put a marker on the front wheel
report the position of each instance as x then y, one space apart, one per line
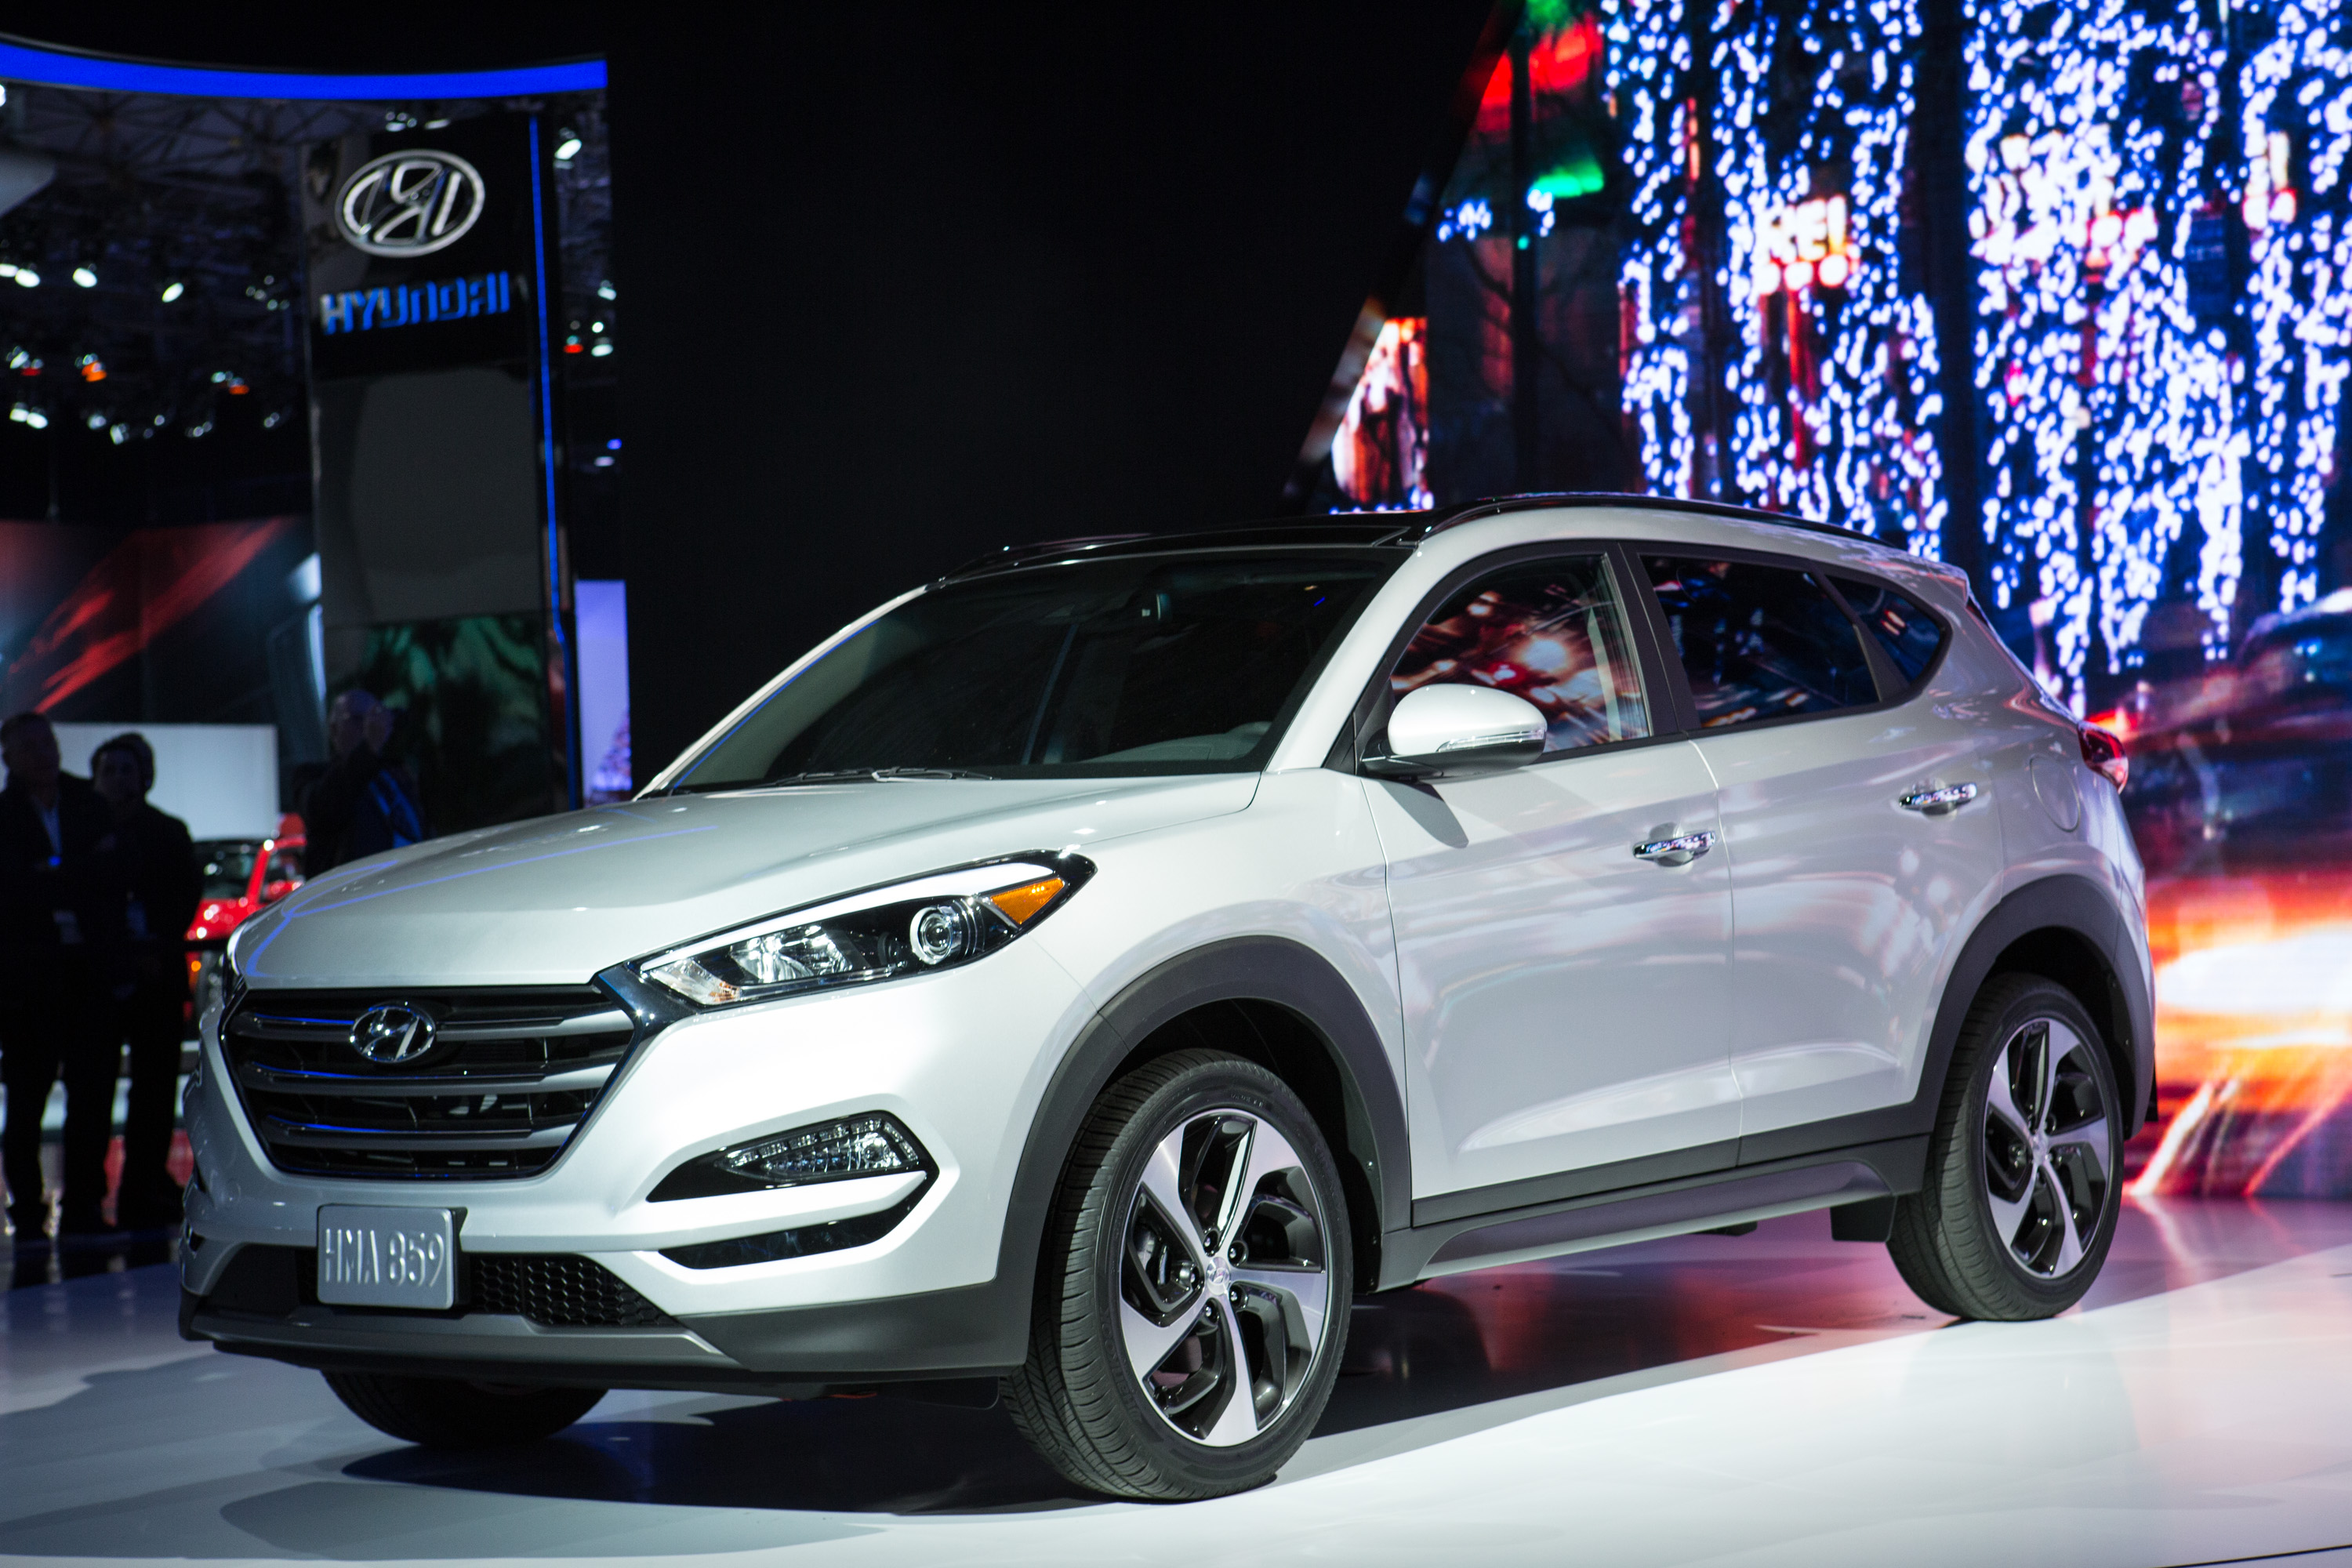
459 1412
1194 1288
2024 1169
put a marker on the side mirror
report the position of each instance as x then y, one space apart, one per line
1459 731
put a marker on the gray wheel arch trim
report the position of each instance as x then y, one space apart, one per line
1270 969
2072 903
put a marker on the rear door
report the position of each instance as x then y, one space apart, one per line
1565 1001
1858 820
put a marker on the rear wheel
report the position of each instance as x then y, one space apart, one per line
1194 1288
2024 1170
456 1413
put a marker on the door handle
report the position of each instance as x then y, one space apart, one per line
1936 802
1680 849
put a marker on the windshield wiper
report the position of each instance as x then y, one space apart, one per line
851 775
830 776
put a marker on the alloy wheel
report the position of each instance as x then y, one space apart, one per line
1225 1280
2048 1148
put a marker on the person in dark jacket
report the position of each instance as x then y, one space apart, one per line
147 884
363 804
52 1001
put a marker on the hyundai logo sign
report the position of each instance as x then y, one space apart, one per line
410 203
391 1033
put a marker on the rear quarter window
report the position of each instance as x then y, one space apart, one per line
1906 634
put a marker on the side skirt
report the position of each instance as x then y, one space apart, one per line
1830 1179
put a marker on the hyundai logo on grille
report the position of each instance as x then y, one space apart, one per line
410 203
393 1033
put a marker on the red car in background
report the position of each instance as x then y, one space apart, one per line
241 877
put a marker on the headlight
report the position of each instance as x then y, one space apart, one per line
906 928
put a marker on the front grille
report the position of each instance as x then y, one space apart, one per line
515 1072
562 1292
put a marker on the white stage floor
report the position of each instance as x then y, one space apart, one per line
1775 1398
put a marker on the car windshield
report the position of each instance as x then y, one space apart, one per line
1145 664
227 868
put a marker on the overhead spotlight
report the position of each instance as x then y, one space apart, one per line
117 433
568 148
435 124
96 421
604 289
84 276
270 421
27 278
600 351
219 376
172 291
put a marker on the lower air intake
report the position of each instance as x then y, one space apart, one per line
560 1293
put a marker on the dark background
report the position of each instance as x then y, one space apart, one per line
907 283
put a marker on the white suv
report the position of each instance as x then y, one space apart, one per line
1085 975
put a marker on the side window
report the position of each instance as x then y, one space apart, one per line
1908 635
1550 631
1760 642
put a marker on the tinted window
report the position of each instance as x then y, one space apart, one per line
1136 666
1760 642
1908 635
1550 631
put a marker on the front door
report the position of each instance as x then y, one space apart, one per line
1565 1000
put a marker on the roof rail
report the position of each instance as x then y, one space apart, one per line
1444 518
1381 528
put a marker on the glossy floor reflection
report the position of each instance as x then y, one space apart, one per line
1777 1397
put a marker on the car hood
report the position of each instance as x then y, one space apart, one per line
555 900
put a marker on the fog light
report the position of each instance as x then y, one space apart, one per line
845 1151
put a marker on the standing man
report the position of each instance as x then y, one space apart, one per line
52 1006
148 886
362 805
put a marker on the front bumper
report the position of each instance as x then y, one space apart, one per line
960 1057
937 1337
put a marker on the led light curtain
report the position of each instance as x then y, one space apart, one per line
2110 405
2288 181
1776 353
2160 279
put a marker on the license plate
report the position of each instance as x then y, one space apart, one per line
386 1256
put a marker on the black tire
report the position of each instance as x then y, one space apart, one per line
454 1413
1235 1394
2021 1200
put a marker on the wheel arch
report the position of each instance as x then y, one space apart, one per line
1267 999
2065 930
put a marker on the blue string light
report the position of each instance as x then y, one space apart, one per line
1833 382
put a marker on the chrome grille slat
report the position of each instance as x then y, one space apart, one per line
606 1022
511 1075
294 1082
300 1136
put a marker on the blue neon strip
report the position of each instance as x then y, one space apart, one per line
48 68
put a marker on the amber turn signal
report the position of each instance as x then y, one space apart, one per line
1017 904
